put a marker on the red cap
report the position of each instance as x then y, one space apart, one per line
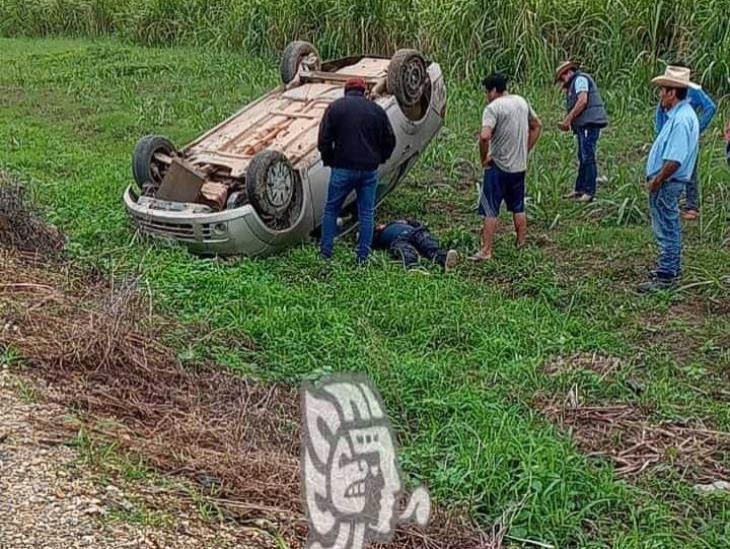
356 83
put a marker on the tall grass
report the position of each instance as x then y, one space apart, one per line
524 38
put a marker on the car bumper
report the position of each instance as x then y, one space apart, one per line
231 232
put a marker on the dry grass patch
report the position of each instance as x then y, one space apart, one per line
624 434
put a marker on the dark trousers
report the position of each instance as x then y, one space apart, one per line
587 138
693 191
408 247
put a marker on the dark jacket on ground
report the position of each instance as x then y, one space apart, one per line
594 115
355 134
395 229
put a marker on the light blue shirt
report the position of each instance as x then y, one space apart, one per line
698 99
581 84
678 141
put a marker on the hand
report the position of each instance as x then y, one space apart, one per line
653 185
487 162
564 126
727 132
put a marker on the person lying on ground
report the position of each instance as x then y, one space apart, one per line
407 240
355 137
669 167
510 129
586 117
705 109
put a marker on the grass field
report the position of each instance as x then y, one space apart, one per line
459 358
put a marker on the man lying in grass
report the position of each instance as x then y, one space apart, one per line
407 240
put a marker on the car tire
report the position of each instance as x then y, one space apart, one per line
274 189
407 77
292 58
145 169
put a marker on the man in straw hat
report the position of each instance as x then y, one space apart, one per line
586 117
705 108
669 167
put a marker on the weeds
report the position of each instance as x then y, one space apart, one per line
20 225
522 38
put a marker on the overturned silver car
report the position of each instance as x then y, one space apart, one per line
255 184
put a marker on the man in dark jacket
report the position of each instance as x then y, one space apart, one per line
355 137
586 117
407 240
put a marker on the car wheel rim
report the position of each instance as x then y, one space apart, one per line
279 185
413 78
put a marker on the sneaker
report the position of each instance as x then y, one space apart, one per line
690 215
585 198
572 195
479 257
657 284
452 258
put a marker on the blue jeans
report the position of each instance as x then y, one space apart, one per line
664 206
342 183
587 138
693 194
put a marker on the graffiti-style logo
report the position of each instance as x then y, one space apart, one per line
352 483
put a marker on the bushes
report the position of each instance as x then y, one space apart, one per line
468 36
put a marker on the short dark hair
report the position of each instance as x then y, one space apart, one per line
680 93
495 81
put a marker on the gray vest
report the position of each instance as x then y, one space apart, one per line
595 113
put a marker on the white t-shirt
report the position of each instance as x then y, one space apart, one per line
509 118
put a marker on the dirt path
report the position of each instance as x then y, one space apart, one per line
50 498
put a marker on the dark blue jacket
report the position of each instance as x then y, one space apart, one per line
355 134
400 228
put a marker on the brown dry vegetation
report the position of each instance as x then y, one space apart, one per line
624 434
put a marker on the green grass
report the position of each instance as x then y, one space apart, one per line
457 358
524 38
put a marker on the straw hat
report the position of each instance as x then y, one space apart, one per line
675 77
566 66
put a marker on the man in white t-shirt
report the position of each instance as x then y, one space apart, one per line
510 129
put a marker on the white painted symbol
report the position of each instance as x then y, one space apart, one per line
351 478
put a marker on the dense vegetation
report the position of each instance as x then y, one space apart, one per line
613 37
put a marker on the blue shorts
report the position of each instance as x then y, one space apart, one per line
499 186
